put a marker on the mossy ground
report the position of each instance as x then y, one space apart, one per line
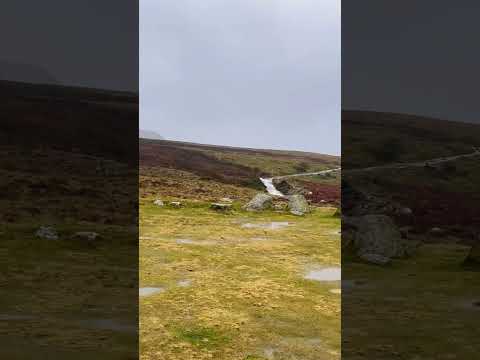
246 297
418 308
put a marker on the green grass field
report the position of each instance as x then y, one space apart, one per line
64 298
425 307
231 290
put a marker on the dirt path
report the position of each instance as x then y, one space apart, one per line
308 174
424 163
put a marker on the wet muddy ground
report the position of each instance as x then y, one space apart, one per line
238 288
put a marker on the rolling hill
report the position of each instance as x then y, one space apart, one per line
205 171
445 195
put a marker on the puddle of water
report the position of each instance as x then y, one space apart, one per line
259 239
147 291
184 283
471 305
274 225
11 317
109 324
194 242
269 353
325 274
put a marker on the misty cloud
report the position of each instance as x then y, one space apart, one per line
247 73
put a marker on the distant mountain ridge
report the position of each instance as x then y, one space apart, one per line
12 71
148 134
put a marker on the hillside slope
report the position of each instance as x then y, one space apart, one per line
203 171
444 195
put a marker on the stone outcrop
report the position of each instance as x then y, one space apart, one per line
377 235
259 202
298 205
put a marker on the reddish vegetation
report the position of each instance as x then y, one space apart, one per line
441 208
164 154
328 193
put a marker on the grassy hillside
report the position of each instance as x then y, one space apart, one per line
445 195
186 170
375 138
420 307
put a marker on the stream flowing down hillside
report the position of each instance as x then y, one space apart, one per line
268 182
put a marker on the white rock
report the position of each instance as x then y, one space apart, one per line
158 202
47 232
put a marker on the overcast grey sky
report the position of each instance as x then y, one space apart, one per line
416 57
81 43
253 73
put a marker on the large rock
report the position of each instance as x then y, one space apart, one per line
298 205
283 186
377 234
259 202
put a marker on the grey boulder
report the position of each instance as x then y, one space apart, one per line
259 202
47 232
377 234
298 205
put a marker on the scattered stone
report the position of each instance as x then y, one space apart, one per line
176 204
298 205
221 207
375 259
226 200
158 202
47 232
279 207
86 235
259 202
